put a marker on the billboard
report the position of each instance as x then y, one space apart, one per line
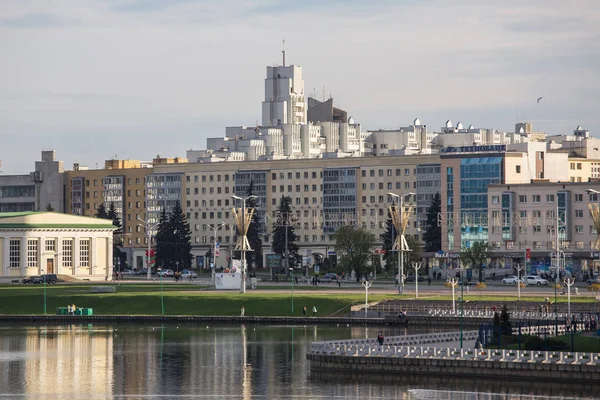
200 262
273 261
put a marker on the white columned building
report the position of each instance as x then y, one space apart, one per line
35 243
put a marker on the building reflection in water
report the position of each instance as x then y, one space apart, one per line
238 361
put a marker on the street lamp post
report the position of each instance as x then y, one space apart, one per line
149 228
462 300
292 270
215 228
44 277
162 300
453 283
367 284
243 240
417 266
400 236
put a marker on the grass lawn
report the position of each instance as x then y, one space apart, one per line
583 344
179 300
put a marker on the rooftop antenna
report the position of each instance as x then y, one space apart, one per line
283 51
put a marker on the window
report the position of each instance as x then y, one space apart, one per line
550 198
578 197
550 214
522 198
518 169
372 173
380 172
32 253
495 199
50 245
67 250
578 214
389 172
380 185
406 171
84 253
578 165
363 173
537 229
579 229
314 175
537 198
14 257
523 214
274 176
298 175
289 175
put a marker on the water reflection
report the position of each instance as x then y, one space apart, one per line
249 362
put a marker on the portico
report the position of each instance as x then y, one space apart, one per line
34 243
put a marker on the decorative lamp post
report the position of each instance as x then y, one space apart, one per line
44 278
569 282
149 229
292 270
367 284
400 218
453 283
162 300
417 266
243 221
519 269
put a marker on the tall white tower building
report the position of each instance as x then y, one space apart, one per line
284 96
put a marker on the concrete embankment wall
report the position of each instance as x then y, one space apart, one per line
456 368
417 320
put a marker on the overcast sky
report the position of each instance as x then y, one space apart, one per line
95 79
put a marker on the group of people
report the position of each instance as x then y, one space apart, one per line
71 309
305 311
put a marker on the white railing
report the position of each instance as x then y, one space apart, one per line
489 355
407 340
490 314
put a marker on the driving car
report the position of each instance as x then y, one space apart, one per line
330 276
188 274
48 278
535 280
165 273
594 280
511 280
411 278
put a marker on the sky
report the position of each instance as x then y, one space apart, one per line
133 79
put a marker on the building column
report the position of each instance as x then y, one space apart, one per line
23 259
76 238
6 256
109 255
93 255
41 257
59 254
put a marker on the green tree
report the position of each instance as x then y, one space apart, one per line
506 325
476 256
433 230
101 212
414 255
182 236
388 237
354 248
254 257
49 207
113 215
164 239
285 220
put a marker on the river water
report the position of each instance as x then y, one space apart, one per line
91 362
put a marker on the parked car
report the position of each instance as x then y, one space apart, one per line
330 277
32 279
127 272
188 273
48 278
411 278
165 273
140 272
511 280
535 280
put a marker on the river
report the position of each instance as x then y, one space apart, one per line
91 362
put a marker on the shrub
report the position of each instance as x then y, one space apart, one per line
550 344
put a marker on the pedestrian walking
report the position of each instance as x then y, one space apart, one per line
243 311
380 338
314 311
304 311
428 281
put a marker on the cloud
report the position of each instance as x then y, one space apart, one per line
138 68
34 20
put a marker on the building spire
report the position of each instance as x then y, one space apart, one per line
283 51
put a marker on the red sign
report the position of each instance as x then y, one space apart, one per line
528 254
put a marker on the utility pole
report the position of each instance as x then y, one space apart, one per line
149 229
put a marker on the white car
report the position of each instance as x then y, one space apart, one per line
535 280
511 280
188 274
165 272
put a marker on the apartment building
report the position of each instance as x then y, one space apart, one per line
122 182
524 216
326 193
466 173
36 191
